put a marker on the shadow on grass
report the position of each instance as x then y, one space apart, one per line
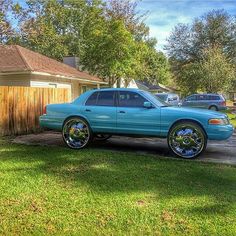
113 172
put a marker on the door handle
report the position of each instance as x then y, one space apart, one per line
121 111
88 110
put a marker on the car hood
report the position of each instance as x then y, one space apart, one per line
194 111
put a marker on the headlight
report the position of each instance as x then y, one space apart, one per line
218 121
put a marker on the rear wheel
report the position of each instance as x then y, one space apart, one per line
102 137
187 140
76 133
213 108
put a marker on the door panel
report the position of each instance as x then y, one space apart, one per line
141 121
133 118
101 111
102 119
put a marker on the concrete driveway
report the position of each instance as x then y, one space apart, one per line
216 152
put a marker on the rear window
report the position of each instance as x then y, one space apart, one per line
215 97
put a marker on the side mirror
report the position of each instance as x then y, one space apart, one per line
147 105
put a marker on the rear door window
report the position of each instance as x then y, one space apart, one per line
215 97
106 98
92 100
103 98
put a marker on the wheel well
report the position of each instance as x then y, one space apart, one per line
189 120
75 116
213 106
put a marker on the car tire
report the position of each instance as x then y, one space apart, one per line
213 108
76 133
102 137
187 139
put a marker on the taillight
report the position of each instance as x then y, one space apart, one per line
223 103
45 110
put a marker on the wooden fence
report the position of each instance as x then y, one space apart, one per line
20 107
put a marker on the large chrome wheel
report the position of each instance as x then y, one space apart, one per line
76 133
187 140
102 137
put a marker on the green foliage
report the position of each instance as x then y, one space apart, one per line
215 71
111 50
191 46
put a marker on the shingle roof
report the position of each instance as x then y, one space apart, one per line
15 58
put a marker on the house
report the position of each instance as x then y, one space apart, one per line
22 67
144 85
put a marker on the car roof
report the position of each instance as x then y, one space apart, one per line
215 94
117 89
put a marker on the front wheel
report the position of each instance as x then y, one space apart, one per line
187 140
76 133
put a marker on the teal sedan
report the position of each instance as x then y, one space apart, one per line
99 114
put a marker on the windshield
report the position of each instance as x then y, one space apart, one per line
152 98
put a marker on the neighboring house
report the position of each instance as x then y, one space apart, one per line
22 67
144 85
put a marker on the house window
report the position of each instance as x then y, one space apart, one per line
51 85
83 89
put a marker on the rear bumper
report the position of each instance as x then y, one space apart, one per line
222 108
219 132
50 123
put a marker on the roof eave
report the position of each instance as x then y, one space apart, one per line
51 75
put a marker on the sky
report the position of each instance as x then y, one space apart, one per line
165 14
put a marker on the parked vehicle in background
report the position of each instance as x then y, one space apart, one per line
170 98
214 102
101 113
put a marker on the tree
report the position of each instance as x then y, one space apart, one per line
6 31
49 27
154 66
215 71
126 10
111 51
216 28
188 45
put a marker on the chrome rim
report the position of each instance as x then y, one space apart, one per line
186 140
76 133
102 136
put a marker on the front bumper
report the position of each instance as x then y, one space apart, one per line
219 132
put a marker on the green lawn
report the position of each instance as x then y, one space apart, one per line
47 190
232 117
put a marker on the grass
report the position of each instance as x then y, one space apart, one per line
47 190
232 117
